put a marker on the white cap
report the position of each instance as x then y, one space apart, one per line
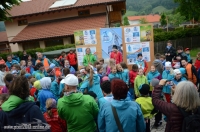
71 80
168 64
177 71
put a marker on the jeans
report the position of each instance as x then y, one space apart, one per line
131 90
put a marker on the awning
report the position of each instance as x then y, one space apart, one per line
59 28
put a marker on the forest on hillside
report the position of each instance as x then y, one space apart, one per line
142 7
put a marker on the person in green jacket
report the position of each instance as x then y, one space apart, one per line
78 110
89 58
139 80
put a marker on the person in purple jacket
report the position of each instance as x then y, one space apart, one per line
8 79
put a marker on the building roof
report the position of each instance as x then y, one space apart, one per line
59 28
41 6
150 18
3 37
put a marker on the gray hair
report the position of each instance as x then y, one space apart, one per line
186 96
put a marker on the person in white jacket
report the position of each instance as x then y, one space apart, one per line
2 75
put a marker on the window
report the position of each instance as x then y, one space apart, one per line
54 42
22 22
30 45
84 13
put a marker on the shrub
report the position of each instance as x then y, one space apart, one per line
33 51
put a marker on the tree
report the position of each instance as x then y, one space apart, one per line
6 5
176 19
126 22
189 8
163 20
143 20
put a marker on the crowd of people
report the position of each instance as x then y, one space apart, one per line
98 97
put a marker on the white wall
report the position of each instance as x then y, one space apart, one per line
136 22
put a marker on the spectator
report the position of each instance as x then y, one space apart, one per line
23 65
190 70
46 62
55 86
10 62
29 68
8 80
141 63
139 80
104 65
116 55
187 52
163 59
197 62
15 57
126 71
158 64
100 72
2 75
178 77
132 75
40 72
67 65
128 112
92 83
17 109
62 58
146 105
180 52
71 108
123 75
31 59
52 118
56 61
45 93
88 58
71 57
113 74
106 89
168 74
177 62
66 71
33 89
185 97
170 51
25 56
111 64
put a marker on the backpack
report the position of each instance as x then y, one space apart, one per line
191 121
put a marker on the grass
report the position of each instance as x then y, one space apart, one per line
193 52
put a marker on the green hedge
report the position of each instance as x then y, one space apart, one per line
33 51
172 35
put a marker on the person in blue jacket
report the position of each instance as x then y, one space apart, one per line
92 83
153 73
168 74
129 112
66 71
123 75
40 72
56 61
15 57
71 68
10 62
55 88
113 73
178 77
19 110
45 93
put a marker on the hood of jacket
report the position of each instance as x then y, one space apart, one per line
121 104
73 99
45 82
12 102
156 63
154 73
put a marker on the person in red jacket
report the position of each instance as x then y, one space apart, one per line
197 62
71 57
116 55
132 75
52 117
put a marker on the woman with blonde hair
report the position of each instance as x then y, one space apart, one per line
92 83
112 63
185 97
52 117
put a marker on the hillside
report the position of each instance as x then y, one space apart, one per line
142 7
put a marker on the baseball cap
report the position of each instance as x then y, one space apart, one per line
187 49
71 80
